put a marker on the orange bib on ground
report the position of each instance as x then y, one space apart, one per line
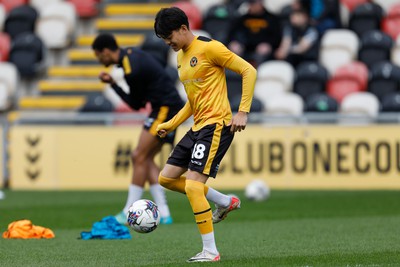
25 229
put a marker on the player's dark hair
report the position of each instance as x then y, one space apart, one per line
104 40
168 20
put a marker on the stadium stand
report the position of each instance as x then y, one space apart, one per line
75 71
97 103
338 47
357 71
217 21
157 47
386 4
391 102
71 103
348 79
256 104
130 8
21 19
366 17
86 9
234 83
122 39
274 77
311 78
4 102
5 45
124 25
285 14
70 87
204 5
384 79
287 103
375 47
107 2
28 54
80 56
391 22
395 54
56 25
276 7
193 13
3 15
11 4
8 84
360 103
40 4
132 23
352 4
321 102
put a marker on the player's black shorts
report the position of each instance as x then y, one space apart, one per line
202 151
159 115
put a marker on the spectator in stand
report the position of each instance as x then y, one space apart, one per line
256 34
324 14
300 39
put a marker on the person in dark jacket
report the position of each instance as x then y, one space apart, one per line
300 39
256 34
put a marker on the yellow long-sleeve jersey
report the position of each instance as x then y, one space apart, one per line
201 68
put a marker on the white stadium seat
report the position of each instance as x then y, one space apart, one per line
289 103
274 77
2 16
275 6
362 104
39 5
56 25
8 84
386 4
395 56
4 98
204 5
344 15
338 47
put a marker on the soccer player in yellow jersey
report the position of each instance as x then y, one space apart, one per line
201 67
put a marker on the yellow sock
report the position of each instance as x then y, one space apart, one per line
177 185
200 206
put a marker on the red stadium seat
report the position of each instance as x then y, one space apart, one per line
5 44
391 23
355 70
10 4
351 4
193 13
87 8
348 79
122 107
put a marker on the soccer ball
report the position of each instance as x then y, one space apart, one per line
257 190
143 216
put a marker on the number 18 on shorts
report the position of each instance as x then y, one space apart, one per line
203 150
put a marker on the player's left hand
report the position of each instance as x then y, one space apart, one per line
106 78
162 129
238 122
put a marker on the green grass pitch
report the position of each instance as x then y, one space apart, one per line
292 228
